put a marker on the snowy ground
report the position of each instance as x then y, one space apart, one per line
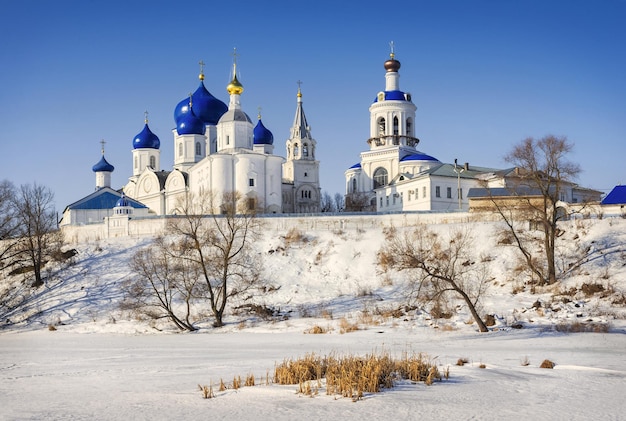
102 362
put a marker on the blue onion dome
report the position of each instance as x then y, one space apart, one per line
189 123
146 139
122 202
262 136
206 107
102 166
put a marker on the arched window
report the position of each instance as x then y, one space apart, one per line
153 162
380 177
381 126
198 148
409 127
396 128
353 189
295 151
305 149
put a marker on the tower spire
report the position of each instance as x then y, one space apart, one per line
300 128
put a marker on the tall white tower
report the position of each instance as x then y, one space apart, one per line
392 137
301 193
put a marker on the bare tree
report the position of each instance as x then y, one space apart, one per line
339 202
358 202
543 174
326 203
442 265
219 245
166 282
37 226
8 221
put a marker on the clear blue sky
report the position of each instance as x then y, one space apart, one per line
484 74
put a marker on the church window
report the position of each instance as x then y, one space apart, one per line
381 126
198 148
306 174
305 150
396 129
153 162
354 188
387 197
251 182
409 127
380 177
227 139
251 203
295 150
381 202
424 192
449 192
437 191
180 149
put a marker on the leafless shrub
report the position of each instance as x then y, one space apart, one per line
525 362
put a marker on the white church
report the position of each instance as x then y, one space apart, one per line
217 148
394 176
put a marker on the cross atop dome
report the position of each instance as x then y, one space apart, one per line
201 76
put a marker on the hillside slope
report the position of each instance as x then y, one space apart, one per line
330 279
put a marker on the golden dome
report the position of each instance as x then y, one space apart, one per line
234 87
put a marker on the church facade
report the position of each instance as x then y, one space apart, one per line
393 175
218 149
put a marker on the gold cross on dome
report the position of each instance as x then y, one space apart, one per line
145 116
102 142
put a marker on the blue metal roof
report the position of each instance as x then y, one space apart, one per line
104 198
617 196
419 157
357 165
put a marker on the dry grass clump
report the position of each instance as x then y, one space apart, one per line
462 361
295 236
352 376
346 327
525 362
207 391
577 327
317 330
547 364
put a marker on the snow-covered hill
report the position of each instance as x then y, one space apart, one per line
102 361
333 275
